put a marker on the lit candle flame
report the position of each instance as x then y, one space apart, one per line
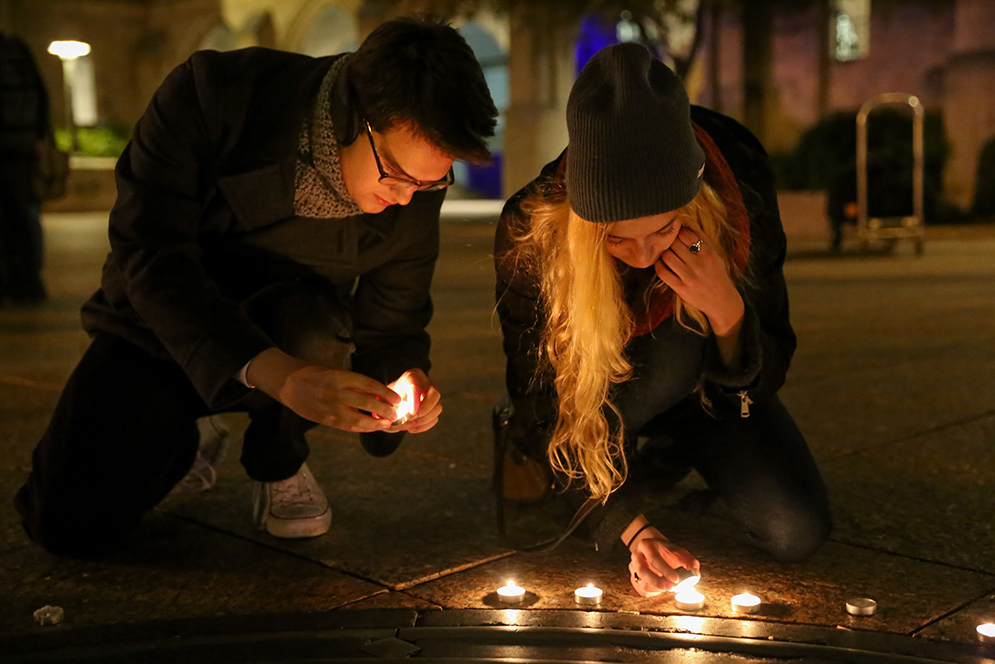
589 591
689 596
745 602
589 594
410 398
746 599
689 600
511 593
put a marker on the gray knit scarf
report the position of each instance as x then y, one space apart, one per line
319 190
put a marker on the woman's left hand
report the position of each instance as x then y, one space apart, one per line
702 280
429 409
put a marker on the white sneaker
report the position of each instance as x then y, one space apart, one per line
292 508
215 437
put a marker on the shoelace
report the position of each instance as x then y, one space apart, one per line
291 490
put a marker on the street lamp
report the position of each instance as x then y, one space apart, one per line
68 52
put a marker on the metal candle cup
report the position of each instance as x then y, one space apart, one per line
588 595
745 603
511 593
689 600
986 633
688 580
861 606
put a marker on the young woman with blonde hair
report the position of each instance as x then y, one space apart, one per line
645 317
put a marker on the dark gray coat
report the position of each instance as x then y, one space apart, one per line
205 218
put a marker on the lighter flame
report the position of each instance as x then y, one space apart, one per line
410 399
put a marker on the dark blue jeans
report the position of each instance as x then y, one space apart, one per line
760 466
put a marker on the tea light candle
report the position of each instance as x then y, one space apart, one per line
861 606
511 593
588 595
689 600
986 633
745 603
688 580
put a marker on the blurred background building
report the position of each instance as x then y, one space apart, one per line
794 71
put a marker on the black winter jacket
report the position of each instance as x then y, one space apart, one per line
205 218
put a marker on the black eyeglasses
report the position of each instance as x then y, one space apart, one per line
394 180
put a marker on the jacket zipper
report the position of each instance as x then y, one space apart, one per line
744 404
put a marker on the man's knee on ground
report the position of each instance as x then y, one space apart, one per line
64 531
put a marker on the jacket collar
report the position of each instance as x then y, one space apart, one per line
259 171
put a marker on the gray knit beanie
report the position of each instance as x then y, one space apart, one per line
632 150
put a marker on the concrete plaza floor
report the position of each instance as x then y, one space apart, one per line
893 385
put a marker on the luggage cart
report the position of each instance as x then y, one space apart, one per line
891 228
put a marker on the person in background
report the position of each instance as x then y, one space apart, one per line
272 249
645 319
24 124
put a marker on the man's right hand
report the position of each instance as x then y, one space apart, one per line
333 397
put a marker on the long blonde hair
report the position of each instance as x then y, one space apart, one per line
589 323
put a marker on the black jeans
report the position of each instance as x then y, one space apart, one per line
759 466
124 432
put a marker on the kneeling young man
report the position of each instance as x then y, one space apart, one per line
272 249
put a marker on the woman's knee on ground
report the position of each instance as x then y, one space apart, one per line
793 531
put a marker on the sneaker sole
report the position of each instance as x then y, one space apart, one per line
314 526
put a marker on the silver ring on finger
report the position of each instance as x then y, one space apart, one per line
695 247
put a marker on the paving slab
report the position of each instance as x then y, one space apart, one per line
962 625
891 384
910 593
844 414
930 497
171 569
397 520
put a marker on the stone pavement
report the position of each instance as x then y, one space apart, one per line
892 384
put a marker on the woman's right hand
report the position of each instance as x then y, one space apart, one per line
653 560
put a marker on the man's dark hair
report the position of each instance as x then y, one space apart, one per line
421 71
